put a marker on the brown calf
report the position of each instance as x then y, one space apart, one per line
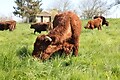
96 23
8 25
104 22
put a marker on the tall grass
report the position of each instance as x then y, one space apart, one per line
99 56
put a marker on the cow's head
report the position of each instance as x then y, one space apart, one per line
32 25
88 26
107 23
41 44
43 47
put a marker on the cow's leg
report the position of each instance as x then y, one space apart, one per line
76 46
15 25
39 31
34 31
76 29
92 27
99 27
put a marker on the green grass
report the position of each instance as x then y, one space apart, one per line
99 56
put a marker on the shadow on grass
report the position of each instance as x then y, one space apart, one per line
24 52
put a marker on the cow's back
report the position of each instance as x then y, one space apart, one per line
97 22
76 24
104 22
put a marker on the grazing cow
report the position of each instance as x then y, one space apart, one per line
95 23
64 36
41 26
43 44
8 25
104 22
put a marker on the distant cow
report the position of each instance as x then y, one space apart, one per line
95 23
41 26
8 25
64 36
104 22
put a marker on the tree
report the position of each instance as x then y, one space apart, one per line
117 2
53 12
113 4
62 5
89 8
28 9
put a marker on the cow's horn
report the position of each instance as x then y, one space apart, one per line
48 38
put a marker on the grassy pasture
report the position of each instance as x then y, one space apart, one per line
99 56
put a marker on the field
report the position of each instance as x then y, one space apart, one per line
99 56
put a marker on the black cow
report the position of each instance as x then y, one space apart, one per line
41 27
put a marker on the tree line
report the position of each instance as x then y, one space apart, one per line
86 8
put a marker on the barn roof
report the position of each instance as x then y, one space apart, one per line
44 14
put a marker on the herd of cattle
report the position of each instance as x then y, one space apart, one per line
63 33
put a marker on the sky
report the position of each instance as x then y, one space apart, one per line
6 8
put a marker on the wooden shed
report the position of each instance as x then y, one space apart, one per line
43 17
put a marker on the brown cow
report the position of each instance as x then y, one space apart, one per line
96 23
8 25
65 35
104 22
44 44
